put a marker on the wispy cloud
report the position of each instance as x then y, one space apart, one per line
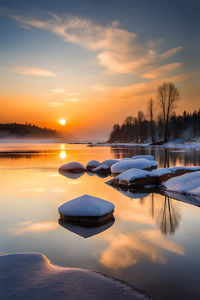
162 71
118 50
56 104
58 91
31 71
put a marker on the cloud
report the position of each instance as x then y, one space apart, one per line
31 71
58 91
129 249
162 71
118 50
56 104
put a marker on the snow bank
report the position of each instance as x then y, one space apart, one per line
139 163
31 276
187 184
87 211
73 166
148 157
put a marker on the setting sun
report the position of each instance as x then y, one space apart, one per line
62 122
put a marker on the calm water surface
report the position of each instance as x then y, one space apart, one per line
153 244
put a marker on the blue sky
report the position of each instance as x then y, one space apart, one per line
104 52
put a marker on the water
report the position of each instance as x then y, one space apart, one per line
153 244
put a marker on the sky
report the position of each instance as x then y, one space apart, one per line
95 62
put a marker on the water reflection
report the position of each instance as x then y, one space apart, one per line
165 157
85 232
169 217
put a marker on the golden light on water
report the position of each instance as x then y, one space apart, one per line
63 154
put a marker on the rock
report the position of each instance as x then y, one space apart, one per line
139 163
132 177
74 167
92 165
109 162
186 184
87 210
102 169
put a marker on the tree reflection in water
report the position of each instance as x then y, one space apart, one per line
168 216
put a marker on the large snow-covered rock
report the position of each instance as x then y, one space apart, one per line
148 157
132 175
73 166
139 163
186 184
31 276
87 210
92 165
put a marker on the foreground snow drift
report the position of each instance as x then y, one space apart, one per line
87 210
186 184
31 276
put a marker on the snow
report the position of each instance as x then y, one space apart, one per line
131 175
102 168
148 157
86 206
187 184
72 167
32 276
125 165
160 172
92 164
109 162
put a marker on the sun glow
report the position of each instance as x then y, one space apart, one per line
62 122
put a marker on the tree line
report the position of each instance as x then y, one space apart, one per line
25 130
167 125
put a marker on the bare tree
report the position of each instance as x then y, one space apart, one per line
150 109
168 95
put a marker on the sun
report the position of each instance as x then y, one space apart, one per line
62 122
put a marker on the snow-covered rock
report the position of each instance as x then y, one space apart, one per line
73 166
87 209
31 276
109 162
102 169
186 184
139 163
92 165
148 157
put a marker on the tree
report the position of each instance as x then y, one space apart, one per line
150 108
168 95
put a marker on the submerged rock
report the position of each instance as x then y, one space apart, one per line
139 163
87 210
31 276
73 166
